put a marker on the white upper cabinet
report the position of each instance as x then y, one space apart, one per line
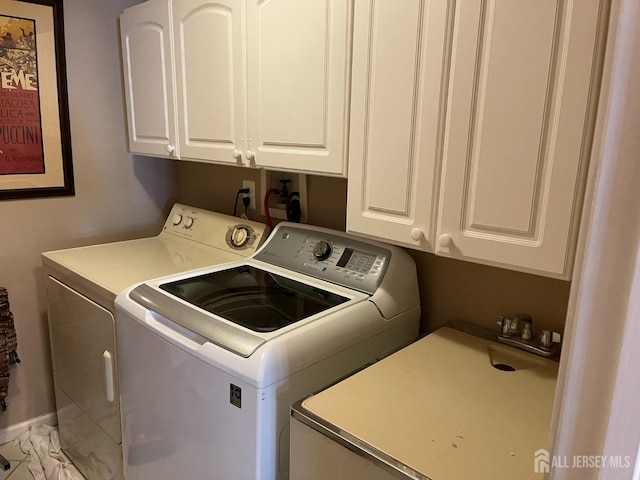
518 116
396 120
147 58
209 46
471 127
257 83
298 66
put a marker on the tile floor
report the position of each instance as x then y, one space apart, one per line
19 469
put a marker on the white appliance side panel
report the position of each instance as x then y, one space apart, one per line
177 418
81 331
331 369
315 457
96 454
168 394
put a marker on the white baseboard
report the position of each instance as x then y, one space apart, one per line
13 431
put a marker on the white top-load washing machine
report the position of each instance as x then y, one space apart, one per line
82 284
211 360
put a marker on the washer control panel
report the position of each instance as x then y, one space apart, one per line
330 256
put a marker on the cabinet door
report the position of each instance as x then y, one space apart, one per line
519 116
209 78
147 56
396 111
298 55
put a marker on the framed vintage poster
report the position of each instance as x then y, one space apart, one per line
35 139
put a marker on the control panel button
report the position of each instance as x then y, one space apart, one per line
188 223
177 218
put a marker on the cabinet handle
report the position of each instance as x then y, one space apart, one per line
416 234
170 149
445 240
108 376
250 155
236 154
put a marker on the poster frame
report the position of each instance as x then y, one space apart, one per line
41 185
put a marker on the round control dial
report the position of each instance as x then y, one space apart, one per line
177 218
322 250
240 236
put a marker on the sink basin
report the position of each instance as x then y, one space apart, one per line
510 360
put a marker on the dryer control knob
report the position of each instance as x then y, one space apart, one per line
239 236
322 250
188 223
177 218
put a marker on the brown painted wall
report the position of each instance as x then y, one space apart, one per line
450 289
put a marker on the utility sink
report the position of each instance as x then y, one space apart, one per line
450 406
509 360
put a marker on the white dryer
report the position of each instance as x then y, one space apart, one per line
212 359
82 284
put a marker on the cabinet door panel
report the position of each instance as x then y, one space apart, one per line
147 54
209 58
518 107
398 66
297 75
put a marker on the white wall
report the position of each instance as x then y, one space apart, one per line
598 392
117 196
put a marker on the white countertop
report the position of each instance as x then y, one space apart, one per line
441 408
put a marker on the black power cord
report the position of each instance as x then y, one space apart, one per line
235 205
246 201
293 210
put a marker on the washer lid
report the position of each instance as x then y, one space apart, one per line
207 326
256 299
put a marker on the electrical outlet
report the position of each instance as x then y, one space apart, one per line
251 185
